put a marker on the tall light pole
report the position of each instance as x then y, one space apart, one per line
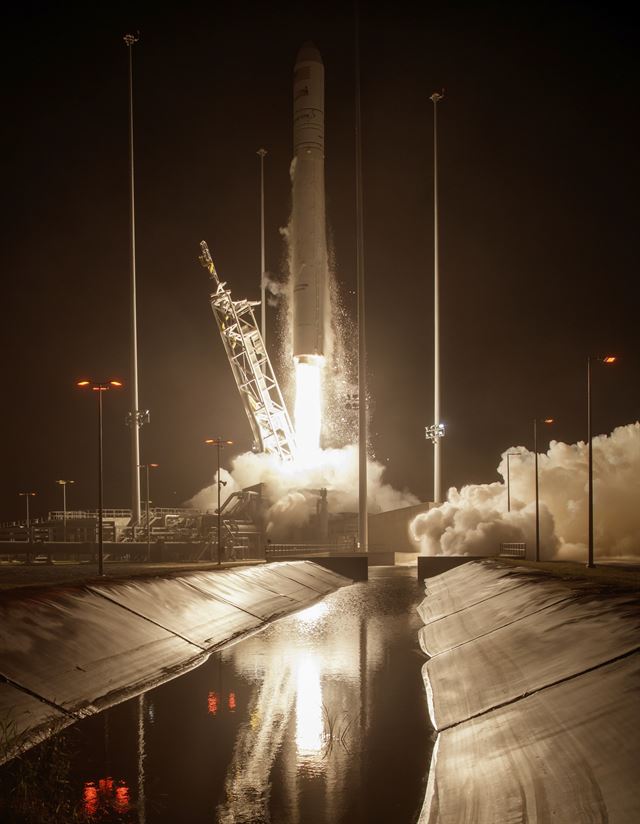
147 503
606 359
219 443
509 455
99 388
363 434
436 432
63 484
535 452
263 305
135 417
27 496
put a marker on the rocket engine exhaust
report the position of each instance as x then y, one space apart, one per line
308 246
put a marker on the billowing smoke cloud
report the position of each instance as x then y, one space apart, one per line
291 490
475 520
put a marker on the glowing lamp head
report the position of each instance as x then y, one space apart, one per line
115 383
609 359
83 383
549 420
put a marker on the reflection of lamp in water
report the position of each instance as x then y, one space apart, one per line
212 703
90 798
309 722
121 802
232 702
108 795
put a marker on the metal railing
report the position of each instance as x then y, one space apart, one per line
82 514
513 550
308 549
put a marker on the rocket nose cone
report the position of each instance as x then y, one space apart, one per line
308 53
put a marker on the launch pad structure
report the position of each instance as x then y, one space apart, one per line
256 381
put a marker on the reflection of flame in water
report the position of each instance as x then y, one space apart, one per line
122 799
247 785
321 677
308 406
309 721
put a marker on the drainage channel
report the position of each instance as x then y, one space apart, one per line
320 717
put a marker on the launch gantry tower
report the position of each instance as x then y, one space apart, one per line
259 389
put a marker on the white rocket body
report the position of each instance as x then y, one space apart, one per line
308 236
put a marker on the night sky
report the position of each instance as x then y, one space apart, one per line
539 225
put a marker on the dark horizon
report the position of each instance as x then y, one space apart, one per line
538 175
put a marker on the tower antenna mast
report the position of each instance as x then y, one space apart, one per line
436 432
136 417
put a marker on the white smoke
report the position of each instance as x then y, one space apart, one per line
475 520
291 489
277 290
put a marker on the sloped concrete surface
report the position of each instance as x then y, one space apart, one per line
535 697
198 618
75 648
310 575
243 593
500 610
566 754
69 652
465 586
535 651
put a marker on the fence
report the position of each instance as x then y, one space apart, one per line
513 550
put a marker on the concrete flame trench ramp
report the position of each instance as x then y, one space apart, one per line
69 652
533 685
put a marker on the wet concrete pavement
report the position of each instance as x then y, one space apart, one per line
533 684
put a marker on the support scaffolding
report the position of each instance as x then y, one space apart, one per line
251 367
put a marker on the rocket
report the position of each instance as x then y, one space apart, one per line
308 236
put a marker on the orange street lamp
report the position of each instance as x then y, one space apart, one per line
99 388
535 450
607 360
219 443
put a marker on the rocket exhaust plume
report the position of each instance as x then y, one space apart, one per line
475 519
290 489
308 248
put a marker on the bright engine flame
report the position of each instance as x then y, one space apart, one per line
308 409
